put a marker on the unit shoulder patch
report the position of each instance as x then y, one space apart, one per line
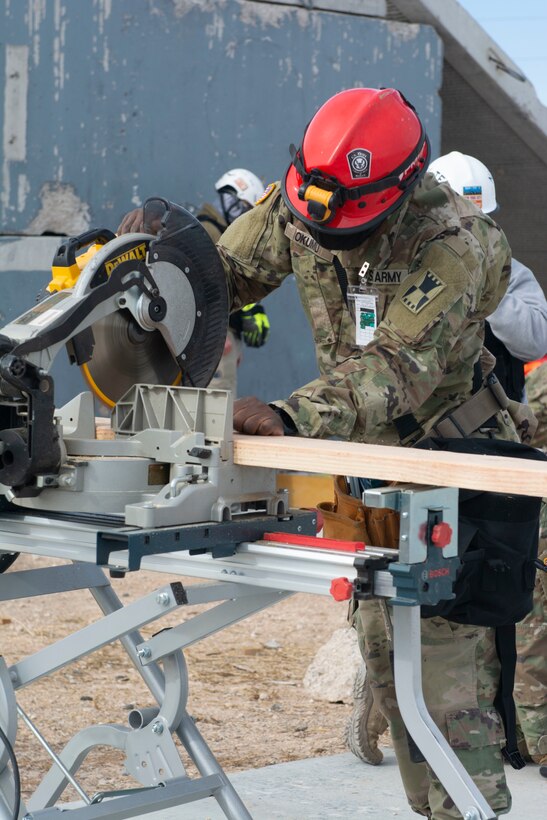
266 193
422 292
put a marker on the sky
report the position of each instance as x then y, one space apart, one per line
520 29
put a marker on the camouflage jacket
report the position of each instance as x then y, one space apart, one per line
440 266
213 222
536 392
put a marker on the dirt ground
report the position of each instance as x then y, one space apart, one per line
245 691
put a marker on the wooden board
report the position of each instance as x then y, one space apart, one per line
503 475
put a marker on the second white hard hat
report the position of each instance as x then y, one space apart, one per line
469 177
245 184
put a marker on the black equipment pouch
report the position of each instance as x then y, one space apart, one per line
497 544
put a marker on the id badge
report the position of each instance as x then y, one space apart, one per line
365 309
363 302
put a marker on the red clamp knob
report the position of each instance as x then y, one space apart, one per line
341 589
441 534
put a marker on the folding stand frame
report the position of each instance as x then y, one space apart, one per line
259 575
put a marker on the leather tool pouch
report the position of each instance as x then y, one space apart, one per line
349 519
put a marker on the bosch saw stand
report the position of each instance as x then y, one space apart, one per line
166 494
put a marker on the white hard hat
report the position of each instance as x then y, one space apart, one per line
245 184
468 177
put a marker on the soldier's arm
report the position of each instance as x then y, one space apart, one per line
520 320
255 251
407 358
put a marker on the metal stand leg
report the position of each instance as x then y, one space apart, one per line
151 755
205 761
425 733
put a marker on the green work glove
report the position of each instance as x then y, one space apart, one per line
255 325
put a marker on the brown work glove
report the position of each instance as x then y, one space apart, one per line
255 418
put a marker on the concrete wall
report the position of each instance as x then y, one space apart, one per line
105 103
471 126
491 111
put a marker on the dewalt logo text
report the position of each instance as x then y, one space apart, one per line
138 252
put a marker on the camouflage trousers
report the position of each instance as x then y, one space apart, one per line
460 672
531 674
225 377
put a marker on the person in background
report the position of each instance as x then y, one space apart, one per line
531 679
237 191
516 332
535 374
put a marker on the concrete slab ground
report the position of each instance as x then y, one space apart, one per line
341 787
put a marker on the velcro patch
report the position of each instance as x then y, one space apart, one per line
422 292
266 193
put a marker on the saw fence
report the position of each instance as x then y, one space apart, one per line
258 573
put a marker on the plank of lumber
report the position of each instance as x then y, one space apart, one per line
503 475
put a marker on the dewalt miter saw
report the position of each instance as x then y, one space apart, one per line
145 315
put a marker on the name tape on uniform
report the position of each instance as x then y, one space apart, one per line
386 277
302 238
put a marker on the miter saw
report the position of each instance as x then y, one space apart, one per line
145 315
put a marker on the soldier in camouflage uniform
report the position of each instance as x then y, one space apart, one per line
531 672
536 393
237 191
355 204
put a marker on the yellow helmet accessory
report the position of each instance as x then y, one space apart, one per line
321 202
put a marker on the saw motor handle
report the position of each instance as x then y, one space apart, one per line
64 268
66 252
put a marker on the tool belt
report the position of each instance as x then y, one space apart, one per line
349 519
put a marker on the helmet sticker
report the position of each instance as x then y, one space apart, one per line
359 163
474 194
422 292
241 184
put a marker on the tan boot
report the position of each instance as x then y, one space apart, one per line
541 760
366 723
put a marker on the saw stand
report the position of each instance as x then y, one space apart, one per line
257 575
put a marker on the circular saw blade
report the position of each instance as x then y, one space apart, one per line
125 355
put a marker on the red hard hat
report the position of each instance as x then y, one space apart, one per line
362 154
